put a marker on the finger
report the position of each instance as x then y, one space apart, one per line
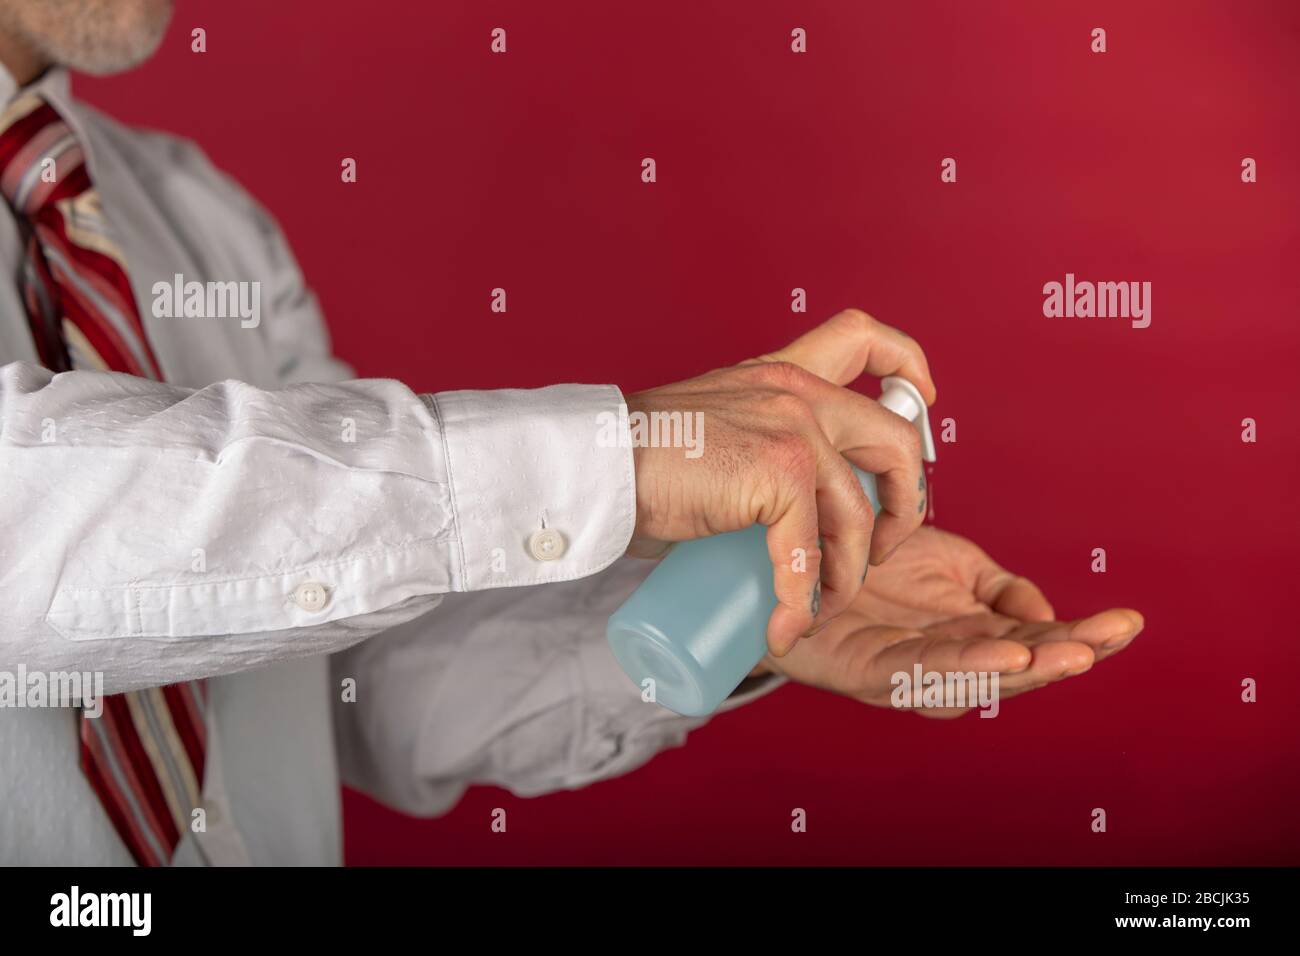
1014 596
1106 630
1034 633
1025 656
955 661
844 521
946 656
792 546
1109 632
1051 662
852 342
877 441
882 444
900 485
871 437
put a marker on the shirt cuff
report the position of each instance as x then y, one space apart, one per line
540 490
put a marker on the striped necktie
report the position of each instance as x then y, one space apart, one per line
144 755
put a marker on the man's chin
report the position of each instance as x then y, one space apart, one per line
108 65
110 39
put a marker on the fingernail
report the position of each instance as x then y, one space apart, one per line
1117 642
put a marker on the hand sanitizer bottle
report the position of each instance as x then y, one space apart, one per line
698 624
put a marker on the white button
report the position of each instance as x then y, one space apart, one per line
546 545
311 595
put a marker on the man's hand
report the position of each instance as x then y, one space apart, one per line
777 431
944 603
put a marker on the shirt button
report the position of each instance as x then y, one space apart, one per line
546 545
311 595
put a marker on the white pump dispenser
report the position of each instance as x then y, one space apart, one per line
902 398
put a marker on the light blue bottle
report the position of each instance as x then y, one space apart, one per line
698 624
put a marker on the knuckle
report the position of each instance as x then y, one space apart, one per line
861 513
858 321
793 456
795 602
781 375
787 407
910 442
813 557
794 585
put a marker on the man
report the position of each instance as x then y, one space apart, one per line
253 549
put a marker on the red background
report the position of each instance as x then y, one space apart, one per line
821 171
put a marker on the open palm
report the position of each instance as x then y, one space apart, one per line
940 601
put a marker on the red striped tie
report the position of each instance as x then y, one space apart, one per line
144 755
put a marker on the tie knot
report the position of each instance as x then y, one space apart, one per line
40 159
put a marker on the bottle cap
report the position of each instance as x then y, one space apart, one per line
901 397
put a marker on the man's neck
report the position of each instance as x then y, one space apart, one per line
23 63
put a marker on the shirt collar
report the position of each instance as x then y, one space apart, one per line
53 85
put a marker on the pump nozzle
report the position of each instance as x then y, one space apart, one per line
901 397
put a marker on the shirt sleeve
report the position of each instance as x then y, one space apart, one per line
516 688
156 533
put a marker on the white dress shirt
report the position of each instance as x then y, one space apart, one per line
260 511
